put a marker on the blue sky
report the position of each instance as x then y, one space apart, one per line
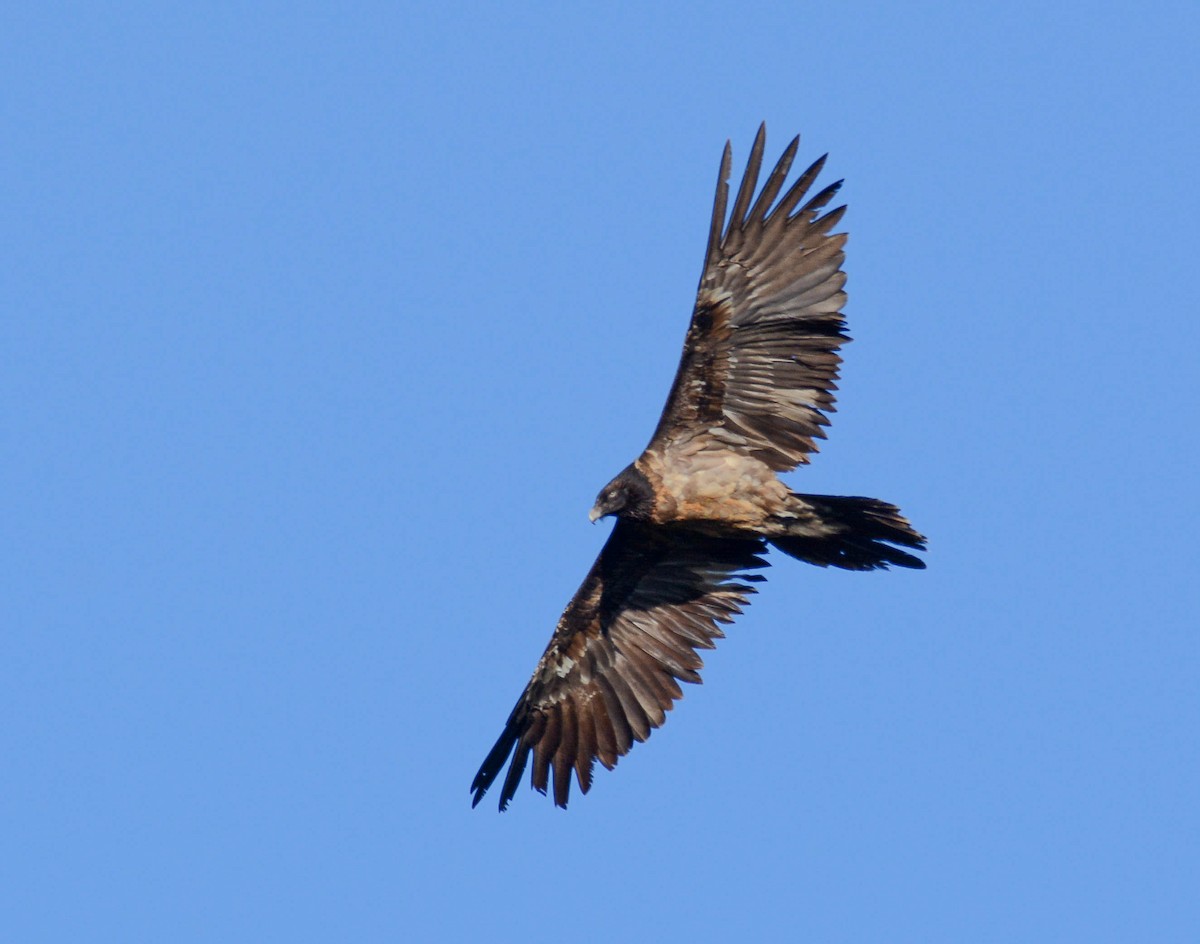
323 326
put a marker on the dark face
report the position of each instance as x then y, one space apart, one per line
612 500
628 494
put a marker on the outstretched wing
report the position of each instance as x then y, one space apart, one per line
761 355
628 637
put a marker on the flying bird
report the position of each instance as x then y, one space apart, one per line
698 508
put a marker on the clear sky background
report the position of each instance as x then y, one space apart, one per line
322 326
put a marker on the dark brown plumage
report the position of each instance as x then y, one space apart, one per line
697 509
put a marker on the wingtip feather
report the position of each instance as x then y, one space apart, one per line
749 179
720 200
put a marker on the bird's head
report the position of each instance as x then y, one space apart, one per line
629 494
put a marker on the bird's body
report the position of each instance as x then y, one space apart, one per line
698 508
691 481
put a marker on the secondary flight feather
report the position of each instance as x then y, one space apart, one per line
697 510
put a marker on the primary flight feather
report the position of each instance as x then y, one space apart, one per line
698 508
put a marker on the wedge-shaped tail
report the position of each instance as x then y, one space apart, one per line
860 535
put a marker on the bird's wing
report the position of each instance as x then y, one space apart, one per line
628 637
760 359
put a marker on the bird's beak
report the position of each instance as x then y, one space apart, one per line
594 515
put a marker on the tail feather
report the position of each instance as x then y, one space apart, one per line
852 533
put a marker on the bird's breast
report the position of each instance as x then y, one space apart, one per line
723 487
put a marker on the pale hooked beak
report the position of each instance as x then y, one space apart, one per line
594 515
